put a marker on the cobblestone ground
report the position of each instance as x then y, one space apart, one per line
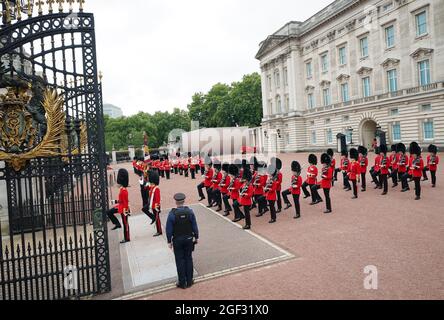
403 238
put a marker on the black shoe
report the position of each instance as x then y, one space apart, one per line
354 197
181 286
219 209
288 206
384 194
417 198
209 206
157 235
265 211
377 187
237 220
425 179
190 284
348 189
227 214
405 190
433 185
201 199
298 216
272 221
394 186
153 221
363 190
247 227
327 211
380 187
117 227
305 197
123 242
279 211
259 215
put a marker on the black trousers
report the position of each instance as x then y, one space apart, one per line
337 170
405 181
394 176
355 187
226 201
417 181
432 174
237 211
304 189
202 170
296 201
364 181
167 173
162 173
383 180
176 170
217 197
262 202
375 176
279 200
111 215
346 180
145 197
193 174
271 204
183 253
314 192
247 215
315 189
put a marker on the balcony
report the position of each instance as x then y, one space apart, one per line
381 97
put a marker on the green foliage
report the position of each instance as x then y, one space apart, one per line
238 104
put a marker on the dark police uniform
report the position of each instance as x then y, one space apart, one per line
181 230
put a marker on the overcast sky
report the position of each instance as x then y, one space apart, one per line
155 54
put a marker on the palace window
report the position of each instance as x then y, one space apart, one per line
327 121
421 23
366 90
348 136
396 132
392 80
387 6
326 96
324 62
308 68
342 56
270 88
286 77
277 79
428 130
329 136
344 92
364 47
390 36
394 112
311 103
278 105
346 118
426 108
424 72
313 137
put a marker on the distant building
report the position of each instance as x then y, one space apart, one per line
112 111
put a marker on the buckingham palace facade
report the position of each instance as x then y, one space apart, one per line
355 67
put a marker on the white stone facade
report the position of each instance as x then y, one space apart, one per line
353 67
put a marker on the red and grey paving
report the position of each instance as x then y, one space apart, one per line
403 238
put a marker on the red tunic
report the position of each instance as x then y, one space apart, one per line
312 174
394 161
245 199
354 170
417 170
259 188
432 167
271 195
234 192
123 204
208 177
385 167
279 180
215 182
411 164
345 163
154 197
363 163
402 168
296 187
377 166
333 163
224 186
327 178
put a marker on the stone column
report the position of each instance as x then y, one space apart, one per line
132 152
4 214
264 92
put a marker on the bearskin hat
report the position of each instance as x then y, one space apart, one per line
377 150
383 149
189 154
354 154
244 163
276 162
123 178
254 162
247 175
217 166
331 153
233 170
238 163
362 150
393 148
313 159
154 177
226 167
325 159
344 153
296 167
433 149
400 147
272 169
415 148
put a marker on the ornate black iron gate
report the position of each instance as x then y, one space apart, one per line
53 187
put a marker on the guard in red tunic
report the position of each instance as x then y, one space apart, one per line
345 166
121 206
403 164
312 174
280 179
331 153
354 171
208 175
384 168
295 189
375 171
259 182
193 166
363 163
154 208
394 166
216 196
234 189
167 167
326 182
271 191
246 192
162 167
432 164
417 167
225 182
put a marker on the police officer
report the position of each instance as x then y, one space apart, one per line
182 235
